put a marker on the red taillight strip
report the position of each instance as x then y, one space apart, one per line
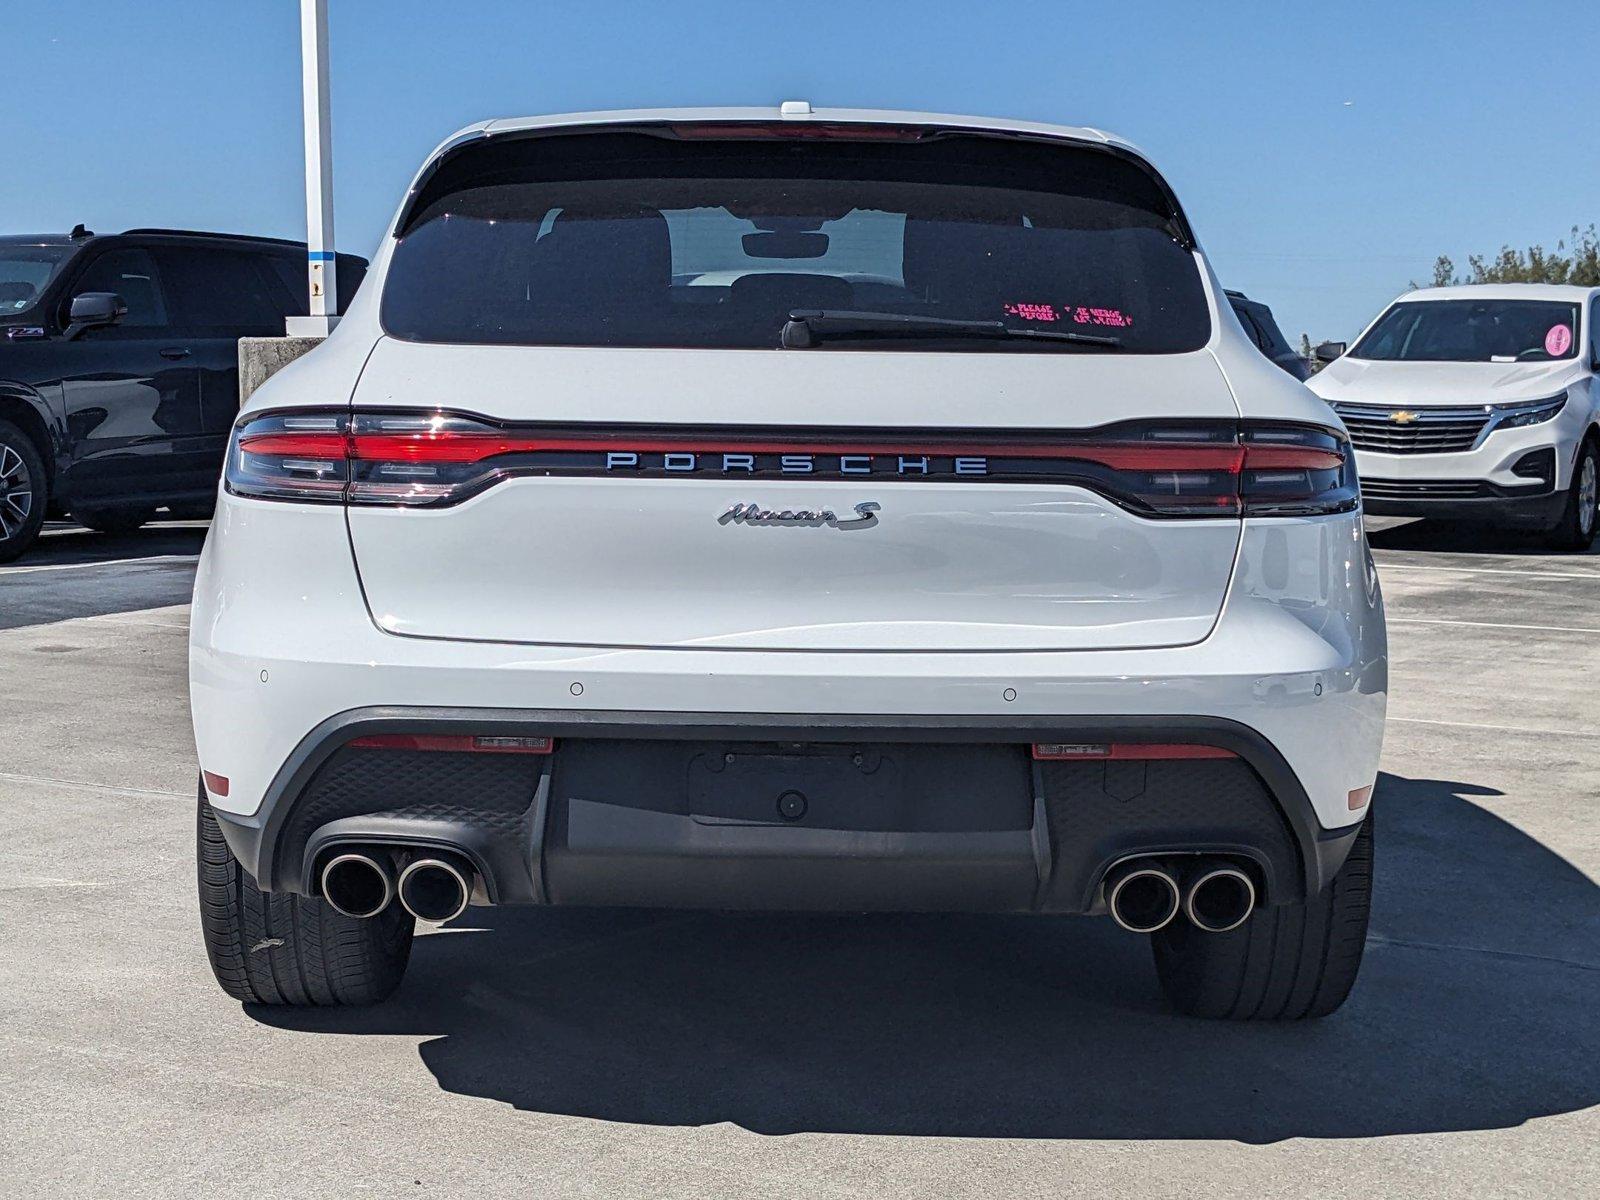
320 445
467 743
1291 457
455 447
1147 751
471 447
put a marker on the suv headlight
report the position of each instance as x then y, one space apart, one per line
1514 416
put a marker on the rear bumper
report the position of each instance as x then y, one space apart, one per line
287 665
281 642
928 813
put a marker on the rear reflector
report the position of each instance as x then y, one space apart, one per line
216 784
1148 751
1360 798
460 743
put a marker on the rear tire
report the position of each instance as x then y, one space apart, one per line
277 948
1286 963
23 491
112 520
1580 518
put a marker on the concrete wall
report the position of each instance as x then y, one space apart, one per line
262 358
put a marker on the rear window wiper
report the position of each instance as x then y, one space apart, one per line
807 327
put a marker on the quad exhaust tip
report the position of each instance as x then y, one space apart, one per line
357 885
1220 899
1142 897
434 890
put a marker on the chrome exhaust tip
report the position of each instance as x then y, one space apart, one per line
1142 897
356 885
1220 899
434 890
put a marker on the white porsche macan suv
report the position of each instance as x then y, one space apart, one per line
789 509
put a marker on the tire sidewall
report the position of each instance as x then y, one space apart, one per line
1590 454
113 520
1569 533
17 544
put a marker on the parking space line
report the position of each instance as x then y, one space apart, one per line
104 562
124 619
81 785
1374 939
1593 577
1491 625
1576 733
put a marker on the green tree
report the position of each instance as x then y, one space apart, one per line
1578 264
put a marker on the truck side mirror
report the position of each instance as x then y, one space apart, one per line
1328 351
92 310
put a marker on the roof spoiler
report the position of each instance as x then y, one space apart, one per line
1177 223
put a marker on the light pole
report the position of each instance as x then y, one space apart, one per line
321 271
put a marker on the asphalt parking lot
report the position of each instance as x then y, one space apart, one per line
644 1054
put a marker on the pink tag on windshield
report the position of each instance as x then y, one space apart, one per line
1558 341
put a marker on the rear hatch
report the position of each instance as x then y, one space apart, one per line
642 556
864 389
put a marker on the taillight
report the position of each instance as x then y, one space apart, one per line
1250 469
428 458
290 456
394 459
1155 469
1296 471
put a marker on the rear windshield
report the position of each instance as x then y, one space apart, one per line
1473 331
640 239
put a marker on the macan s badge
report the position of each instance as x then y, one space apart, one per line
753 514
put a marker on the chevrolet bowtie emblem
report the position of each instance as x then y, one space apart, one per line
1402 416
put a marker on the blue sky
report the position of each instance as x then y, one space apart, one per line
1325 152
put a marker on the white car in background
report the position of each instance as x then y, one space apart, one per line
1477 403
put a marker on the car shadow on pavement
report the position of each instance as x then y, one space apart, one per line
1478 1007
64 544
73 572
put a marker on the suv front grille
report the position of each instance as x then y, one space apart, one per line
1419 431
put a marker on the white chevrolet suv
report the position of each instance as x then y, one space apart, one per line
1478 403
789 510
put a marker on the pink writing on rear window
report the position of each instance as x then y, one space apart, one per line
1113 317
1081 314
1033 312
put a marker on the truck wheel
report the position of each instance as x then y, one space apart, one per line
276 948
23 488
112 520
1581 515
1286 963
